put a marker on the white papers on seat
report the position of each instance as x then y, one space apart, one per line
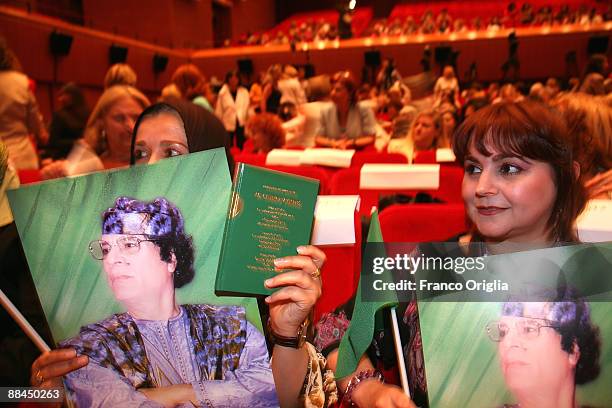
445 155
82 159
399 176
334 222
327 157
284 157
595 223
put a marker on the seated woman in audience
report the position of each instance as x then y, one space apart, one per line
425 134
345 124
203 131
109 129
595 73
265 132
511 153
68 122
449 124
589 119
192 86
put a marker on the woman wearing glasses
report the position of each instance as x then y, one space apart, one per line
546 349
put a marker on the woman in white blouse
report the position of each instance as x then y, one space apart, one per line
232 107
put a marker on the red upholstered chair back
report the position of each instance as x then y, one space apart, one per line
425 157
451 178
307 171
422 222
346 181
251 158
340 274
361 158
29 176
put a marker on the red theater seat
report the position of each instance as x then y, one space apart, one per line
346 181
425 157
307 171
251 158
422 222
29 176
340 275
361 158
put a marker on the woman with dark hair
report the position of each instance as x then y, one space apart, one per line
345 124
174 128
547 348
521 185
526 145
19 112
68 122
157 350
192 86
232 107
266 132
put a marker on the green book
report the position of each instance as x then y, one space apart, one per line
269 216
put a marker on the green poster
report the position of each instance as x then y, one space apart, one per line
58 219
550 346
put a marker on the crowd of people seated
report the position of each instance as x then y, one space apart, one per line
516 14
513 17
283 109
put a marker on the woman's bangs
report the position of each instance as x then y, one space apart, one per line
506 131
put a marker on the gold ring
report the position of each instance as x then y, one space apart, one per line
316 274
39 378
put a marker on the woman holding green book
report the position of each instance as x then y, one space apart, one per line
164 131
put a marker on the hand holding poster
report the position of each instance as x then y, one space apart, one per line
107 252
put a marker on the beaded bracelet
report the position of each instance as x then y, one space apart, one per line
356 380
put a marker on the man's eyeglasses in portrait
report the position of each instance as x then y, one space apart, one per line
528 328
128 245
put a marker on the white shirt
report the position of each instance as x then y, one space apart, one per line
230 110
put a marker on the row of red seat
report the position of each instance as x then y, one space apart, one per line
486 9
347 181
399 223
457 9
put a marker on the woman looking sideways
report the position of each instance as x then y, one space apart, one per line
521 185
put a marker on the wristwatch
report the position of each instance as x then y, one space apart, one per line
294 342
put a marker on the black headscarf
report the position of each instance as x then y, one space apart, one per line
203 129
